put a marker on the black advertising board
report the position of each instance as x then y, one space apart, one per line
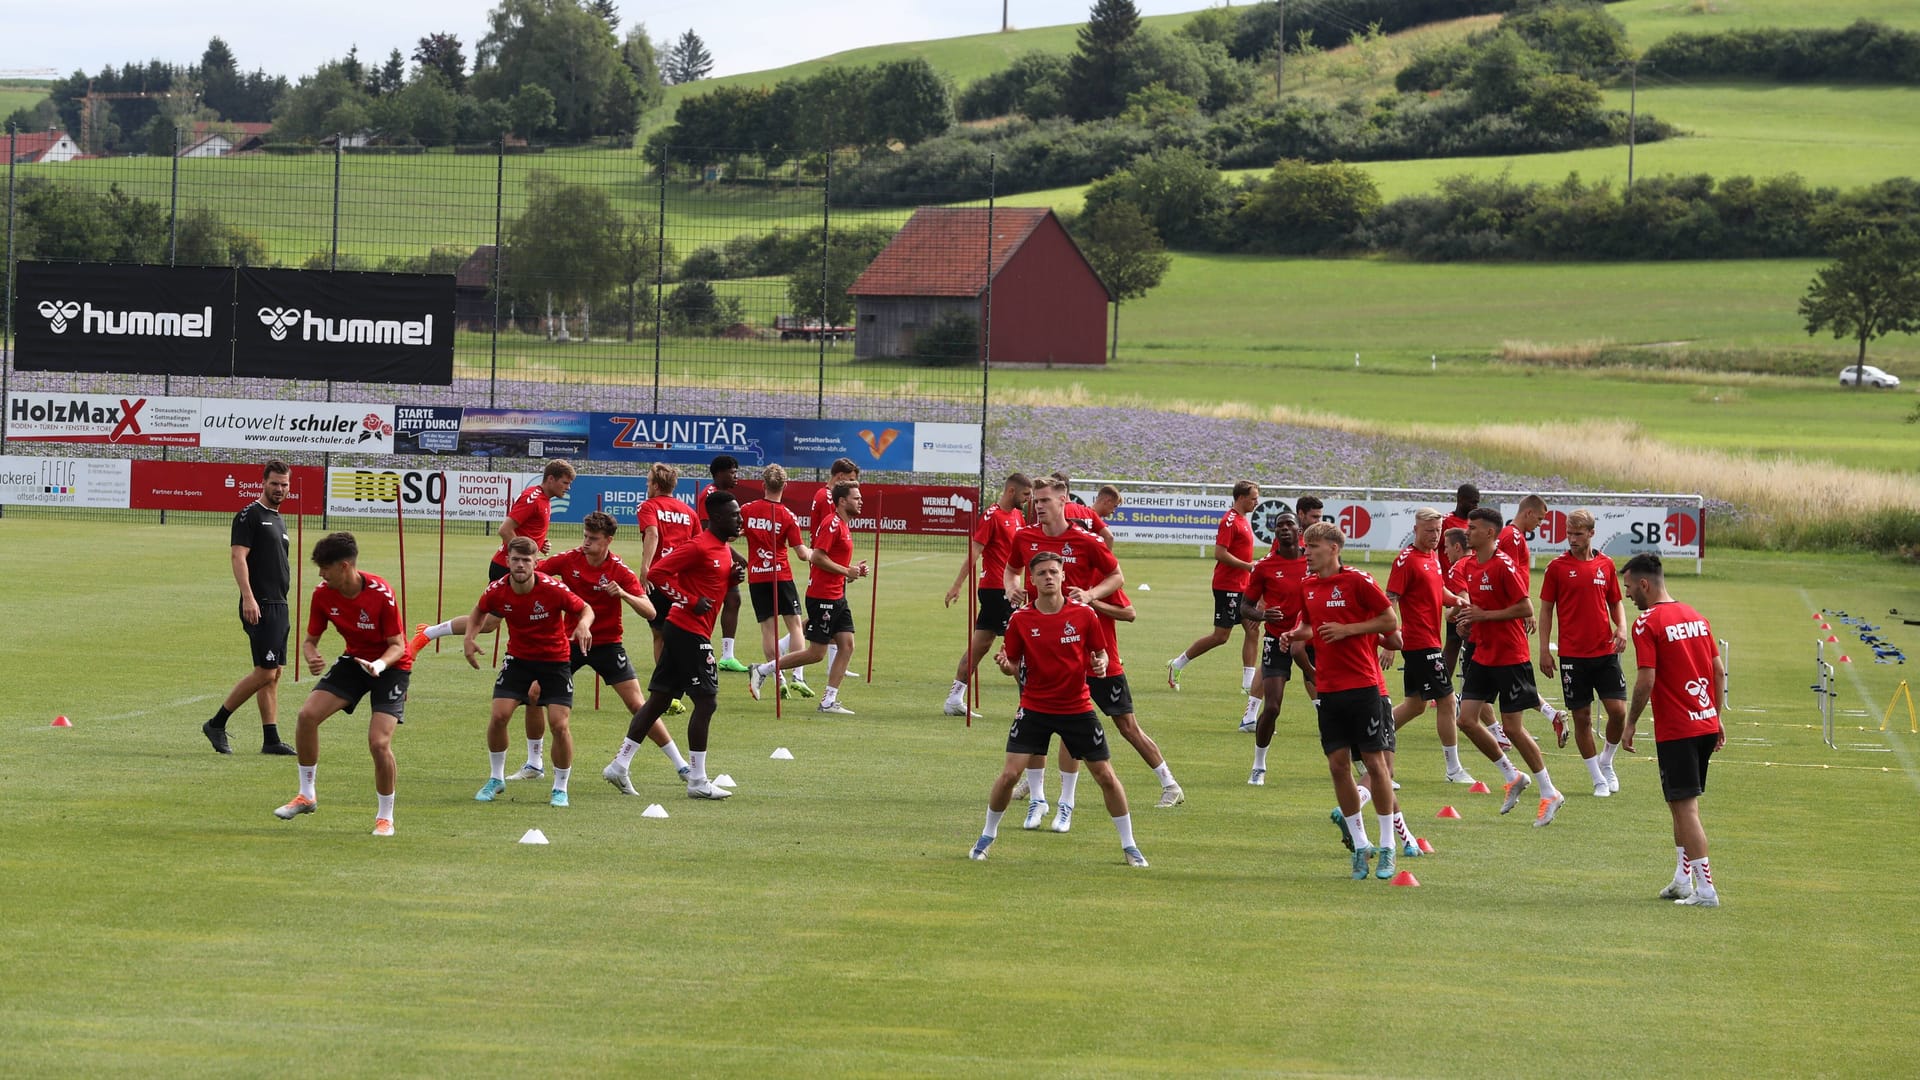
142 320
344 325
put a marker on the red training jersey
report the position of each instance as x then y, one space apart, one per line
1676 642
994 533
531 514
537 619
1110 633
831 535
672 517
1082 517
1491 586
573 570
1447 525
1088 562
1416 580
771 529
1347 596
1582 595
1513 545
1236 535
700 567
366 620
1275 583
1053 657
822 505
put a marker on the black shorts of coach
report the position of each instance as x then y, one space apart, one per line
1510 684
609 661
1080 733
995 610
771 598
1226 608
267 639
1583 678
1424 675
1351 720
1275 662
1683 765
517 677
686 665
349 682
826 618
1111 694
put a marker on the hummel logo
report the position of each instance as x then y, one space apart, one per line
278 321
57 312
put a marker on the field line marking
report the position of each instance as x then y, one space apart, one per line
1907 764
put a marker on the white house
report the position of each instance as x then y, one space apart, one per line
220 138
30 147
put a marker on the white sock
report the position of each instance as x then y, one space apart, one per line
957 691
672 751
1507 771
726 648
832 695
497 760
1259 757
1165 773
1385 823
1545 783
1607 752
1453 757
1037 784
560 778
306 781
1069 781
440 630
1546 710
1124 825
1593 770
624 758
1357 828
1682 873
1246 679
386 807
832 650
1366 794
699 764
993 823
1400 827
1179 662
535 755
1702 877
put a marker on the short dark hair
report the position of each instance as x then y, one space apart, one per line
1045 557
1645 565
1019 479
336 547
1243 488
722 463
1061 476
1456 537
275 467
841 489
1487 514
1467 492
600 522
715 500
844 467
522 545
1308 502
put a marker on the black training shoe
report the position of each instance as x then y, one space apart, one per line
279 749
217 736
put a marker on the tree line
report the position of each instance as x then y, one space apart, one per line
874 107
1866 51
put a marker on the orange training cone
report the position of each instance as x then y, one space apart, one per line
1447 811
1844 658
1830 637
1479 788
61 721
1405 877
1421 843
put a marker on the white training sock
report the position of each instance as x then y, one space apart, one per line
1545 784
957 691
1400 827
440 630
1593 770
1366 794
1606 753
560 778
1546 710
1357 828
386 807
1037 784
535 753
993 823
1259 757
1246 679
1165 773
1682 872
726 648
832 651
1069 781
1703 877
832 695
699 764
306 781
672 751
1385 824
497 761
624 758
1453 757
1507 771
1180 661
1124 825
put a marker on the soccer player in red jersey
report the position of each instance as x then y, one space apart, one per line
987 552
1582 591
534 606
258 555
1684 678
697 571
843 470
532 514
1416 584
1345 614
665 523
1083 517
1052 649
1233 558
829 629
725 471
1465 498
772 531
1494 616
1105 502
1513 544
362 608
1272 599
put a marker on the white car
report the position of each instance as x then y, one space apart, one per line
1868 375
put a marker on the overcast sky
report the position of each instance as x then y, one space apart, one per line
292 37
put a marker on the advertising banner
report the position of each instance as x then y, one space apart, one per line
426 429
428 493
946 448
344 325
101 483
270 426
266 427
129 420
874 446
141 320
522 433
686 439
217 487
1618 531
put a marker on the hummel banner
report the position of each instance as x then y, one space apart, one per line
144 320
349 326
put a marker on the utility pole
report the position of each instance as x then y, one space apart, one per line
1003 16
1633 107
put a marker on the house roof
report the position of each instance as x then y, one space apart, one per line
203 128
942 251
477 271
28 146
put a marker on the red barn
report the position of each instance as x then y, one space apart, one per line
1049 307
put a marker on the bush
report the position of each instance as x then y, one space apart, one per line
1301 208
954 338
694 309
1866 51
1031 86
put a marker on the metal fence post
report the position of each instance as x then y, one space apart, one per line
499 198
333 263
660 272
6 317
986 324
826 255
173 258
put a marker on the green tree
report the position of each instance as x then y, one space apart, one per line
688 59
908 102
393 75
564 249
640 254
433 108
1871 289
202 239
815 293
954 338
1094 72
643 60
321 104
607 12
442 52
1502 74
566 48
1126 253
1301 207
532 111
221 87
1179 191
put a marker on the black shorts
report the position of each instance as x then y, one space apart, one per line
662 603
1226 609
1350 720
1453 633
827 618
1081 734
517 677
495 572
1275 662
1425 675
994 611
349 682
608 661
1510 684
686 666
1386 721
1111 694
1583 678
1683 766
771 598
267 639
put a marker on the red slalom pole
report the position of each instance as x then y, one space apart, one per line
873 593
400 533
496 630
299 569
972 700
440 585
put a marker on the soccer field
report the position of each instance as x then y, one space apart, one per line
159 920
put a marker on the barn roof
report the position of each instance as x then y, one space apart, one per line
29 145
942 251
476 272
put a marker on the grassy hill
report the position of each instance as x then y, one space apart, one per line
20 95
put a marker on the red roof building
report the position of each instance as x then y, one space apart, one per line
32 147
218 138
1049 307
